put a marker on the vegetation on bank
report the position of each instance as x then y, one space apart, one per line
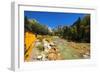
79 31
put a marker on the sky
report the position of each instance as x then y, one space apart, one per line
52 19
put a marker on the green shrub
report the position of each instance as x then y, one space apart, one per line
40 47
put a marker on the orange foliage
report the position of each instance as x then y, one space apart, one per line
29 41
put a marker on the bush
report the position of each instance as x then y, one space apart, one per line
40 47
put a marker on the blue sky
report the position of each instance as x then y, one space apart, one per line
52 19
